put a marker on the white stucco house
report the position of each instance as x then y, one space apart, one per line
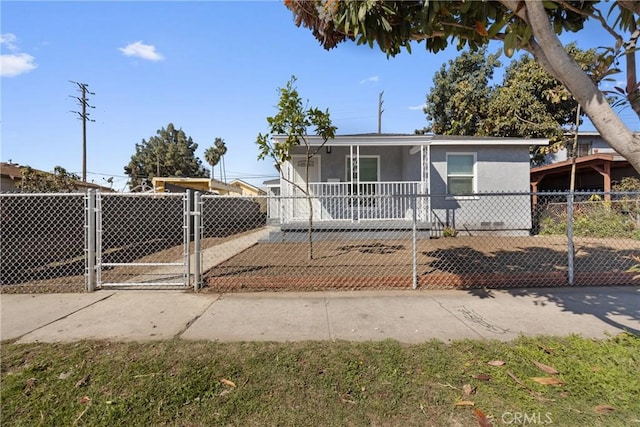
390 179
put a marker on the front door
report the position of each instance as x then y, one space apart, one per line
300 202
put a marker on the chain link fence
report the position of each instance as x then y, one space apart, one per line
142 240
435 241
375 241
42 242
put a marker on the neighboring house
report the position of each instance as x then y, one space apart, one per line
10 177
174 184
11 180
359 179
247 189
598 167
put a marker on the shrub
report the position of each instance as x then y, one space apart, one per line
598 219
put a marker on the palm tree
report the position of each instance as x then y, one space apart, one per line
212 156
222 150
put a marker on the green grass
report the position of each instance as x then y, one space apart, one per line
320 383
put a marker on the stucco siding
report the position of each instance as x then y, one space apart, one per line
498 169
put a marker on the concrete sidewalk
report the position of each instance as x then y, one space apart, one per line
407 316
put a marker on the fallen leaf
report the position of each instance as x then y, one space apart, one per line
84 399
516 379
604 409
464 403
548 369
496 363
468 389
482 419
83 382
548 380
481 377
64 375
227 382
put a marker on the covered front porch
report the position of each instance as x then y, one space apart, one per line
357 178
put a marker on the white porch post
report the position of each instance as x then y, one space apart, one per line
424 182
428 201
357 171
351 178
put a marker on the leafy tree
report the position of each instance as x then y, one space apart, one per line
37 181
532 26
457 103
293 121
169 153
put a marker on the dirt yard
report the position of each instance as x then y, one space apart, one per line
460 262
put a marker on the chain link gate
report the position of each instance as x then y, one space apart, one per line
142 240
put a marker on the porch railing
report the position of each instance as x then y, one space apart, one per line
387 200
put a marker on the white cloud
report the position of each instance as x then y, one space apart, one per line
372 79
7 40
141 50
417 107
14 64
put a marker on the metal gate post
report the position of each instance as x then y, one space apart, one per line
414 233
90 250
570 246
187 237
197 229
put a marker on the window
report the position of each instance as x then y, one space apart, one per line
368 168
461 168
583 149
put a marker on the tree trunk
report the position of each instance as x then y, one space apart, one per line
310 202
583 89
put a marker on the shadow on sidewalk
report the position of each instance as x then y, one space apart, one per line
601 302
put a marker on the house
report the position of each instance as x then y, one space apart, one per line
598 167
247 189
179 184
384 179
11 180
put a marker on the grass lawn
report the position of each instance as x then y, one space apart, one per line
188 383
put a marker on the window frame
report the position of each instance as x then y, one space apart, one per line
473 176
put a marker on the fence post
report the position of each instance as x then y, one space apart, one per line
570 246
91 241
197 225
187 236
414 239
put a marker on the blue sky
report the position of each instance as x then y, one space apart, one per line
211 68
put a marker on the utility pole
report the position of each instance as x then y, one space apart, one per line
83 102
380 111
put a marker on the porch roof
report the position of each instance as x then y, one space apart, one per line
386 139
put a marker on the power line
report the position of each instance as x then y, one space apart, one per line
83 102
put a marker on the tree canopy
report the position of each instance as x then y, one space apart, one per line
532 26
457 103
168 153
529 103
37 181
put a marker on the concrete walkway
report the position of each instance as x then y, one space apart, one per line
211 257
407 316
